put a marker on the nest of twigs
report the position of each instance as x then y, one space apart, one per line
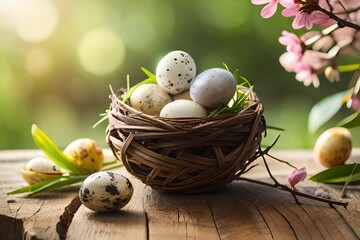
191 155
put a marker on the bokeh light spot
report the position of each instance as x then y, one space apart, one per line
38 61
101 51
35 20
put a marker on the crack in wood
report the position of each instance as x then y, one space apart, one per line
352 230
146 219
213 217
65 219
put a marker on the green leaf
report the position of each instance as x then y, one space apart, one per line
339 174
53 152
49 185
324 110
147 72
351 121
33 187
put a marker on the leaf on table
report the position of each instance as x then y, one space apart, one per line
49 185
339 174
53 152
324 110
351 121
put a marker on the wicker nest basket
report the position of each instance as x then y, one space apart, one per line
192 155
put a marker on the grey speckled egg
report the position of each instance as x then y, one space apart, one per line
175 71
105 191
213 87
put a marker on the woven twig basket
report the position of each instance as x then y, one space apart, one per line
185 155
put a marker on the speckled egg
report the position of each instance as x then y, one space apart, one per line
175 71
213 87
86 154
40 169
105 191
183 109
149 99
333 147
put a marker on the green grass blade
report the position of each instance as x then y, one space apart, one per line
53 152
61 183
339 174
34 187
147 72
146 81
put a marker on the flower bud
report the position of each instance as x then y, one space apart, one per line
332 74
296 176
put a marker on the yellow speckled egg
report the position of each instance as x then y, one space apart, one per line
86 154
333 147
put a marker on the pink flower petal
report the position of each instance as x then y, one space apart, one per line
296 176
269 10
260 2
290 11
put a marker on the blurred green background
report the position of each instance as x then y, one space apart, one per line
58 58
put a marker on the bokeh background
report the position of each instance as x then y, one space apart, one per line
58 58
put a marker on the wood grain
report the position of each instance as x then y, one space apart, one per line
241 210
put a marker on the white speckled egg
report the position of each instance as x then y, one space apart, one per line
40 169
105 191
149 99
175 71
333 147
213 87
183 109
40 164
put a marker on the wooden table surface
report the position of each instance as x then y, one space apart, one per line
242 210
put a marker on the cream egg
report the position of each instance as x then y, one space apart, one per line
183 109
149 99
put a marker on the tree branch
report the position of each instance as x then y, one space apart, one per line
295 193
341 22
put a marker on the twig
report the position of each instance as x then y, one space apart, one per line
295 192
341 22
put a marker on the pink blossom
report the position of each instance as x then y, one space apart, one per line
290 61
302 11
306 65
291 41
270 9
302 19
296 176
307 76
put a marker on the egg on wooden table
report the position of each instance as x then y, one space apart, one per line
149 99
333 147
213 87
105 191
183 109
175 71
86 154
40 169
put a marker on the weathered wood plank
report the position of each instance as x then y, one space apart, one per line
241 210
178 216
